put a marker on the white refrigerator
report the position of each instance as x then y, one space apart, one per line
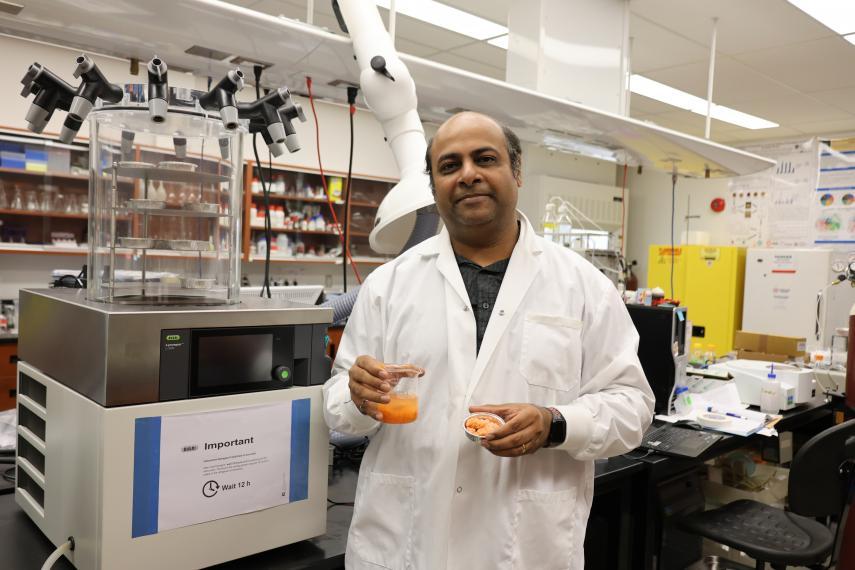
788 292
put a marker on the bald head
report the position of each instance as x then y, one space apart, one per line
459 123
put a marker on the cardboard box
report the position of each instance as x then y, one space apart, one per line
768 484
774 348
742 354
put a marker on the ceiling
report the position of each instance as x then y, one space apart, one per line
773 60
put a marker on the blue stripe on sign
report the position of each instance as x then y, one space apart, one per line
146 476
301 412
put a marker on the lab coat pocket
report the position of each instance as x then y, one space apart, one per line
551 351
382 528
544 526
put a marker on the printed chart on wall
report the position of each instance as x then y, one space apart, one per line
833 207
768 209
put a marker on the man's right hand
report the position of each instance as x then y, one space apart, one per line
369 385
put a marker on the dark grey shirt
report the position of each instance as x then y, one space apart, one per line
482 286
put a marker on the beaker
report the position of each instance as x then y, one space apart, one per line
403 406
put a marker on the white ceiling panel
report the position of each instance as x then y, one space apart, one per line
420 32
742 25
789 108
692 124
645 106
824 128
413 48
493 10
810 66
734 81
655 47
459 62
840 98
484 53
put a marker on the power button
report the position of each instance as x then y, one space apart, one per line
284 375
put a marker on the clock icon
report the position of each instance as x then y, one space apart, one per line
210 488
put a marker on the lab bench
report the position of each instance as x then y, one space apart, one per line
625 496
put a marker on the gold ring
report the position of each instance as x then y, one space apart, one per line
523 446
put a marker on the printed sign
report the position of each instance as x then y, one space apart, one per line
194 468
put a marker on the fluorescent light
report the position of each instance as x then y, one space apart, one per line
444 16
641 85
501 41
839 15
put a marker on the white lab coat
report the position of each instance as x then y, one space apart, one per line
428 498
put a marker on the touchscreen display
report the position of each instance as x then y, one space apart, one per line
226 360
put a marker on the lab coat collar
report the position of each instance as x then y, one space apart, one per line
442 245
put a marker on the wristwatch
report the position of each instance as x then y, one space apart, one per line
557 430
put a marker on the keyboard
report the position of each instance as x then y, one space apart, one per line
672 440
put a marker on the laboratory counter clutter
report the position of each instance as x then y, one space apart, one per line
480 382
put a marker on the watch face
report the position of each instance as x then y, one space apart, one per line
838 267
852 267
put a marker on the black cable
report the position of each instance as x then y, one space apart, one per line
673 208
9 474
351 99
337 504
265 190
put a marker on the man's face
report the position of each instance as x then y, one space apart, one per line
474 184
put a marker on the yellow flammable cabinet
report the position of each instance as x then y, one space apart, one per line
708 281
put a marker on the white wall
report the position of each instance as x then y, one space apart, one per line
650 215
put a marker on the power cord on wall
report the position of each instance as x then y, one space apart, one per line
351 101
324 182
265 189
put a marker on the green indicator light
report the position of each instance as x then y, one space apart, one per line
285 374
171 337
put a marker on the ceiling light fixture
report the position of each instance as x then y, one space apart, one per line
444 16
838 15
641 85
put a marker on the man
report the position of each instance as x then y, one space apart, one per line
502 321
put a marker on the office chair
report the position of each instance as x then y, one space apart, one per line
822 485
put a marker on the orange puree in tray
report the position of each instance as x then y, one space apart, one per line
482 425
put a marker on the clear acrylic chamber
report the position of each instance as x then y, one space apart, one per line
165 199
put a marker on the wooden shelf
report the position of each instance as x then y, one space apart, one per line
320 260
284 197
57 175
37 249
42 213
287 231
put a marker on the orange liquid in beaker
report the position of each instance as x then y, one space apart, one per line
401 409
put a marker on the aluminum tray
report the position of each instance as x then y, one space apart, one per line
197 282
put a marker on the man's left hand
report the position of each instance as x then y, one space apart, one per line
526 429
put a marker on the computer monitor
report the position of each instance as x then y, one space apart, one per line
661 347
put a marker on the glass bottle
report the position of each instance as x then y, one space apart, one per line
549 222
565 225
17 200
